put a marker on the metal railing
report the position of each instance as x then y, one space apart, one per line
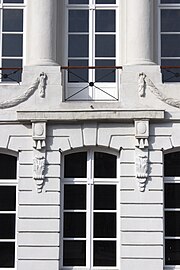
10 74
106 71
170 73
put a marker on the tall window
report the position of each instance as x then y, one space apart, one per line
8 184
91 38
11 42
89 219
172 208
170 38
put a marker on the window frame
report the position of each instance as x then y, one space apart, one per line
90 182
13 182
13 6
170 180
112 88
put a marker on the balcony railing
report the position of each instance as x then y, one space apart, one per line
170 73
10 74
79 81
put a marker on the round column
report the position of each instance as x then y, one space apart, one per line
41 32
139 46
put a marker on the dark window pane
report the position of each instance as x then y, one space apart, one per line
78 1
105 45
78 75
75 165
74 197
169 46
75 225
104 253
12 75
171 164
7 198
170 1
171 74
172 251
13 20
8 167
74 253
172 195
7 226
172 223
105 75
78 46
105 21
104 225
13 1
104 165
170 20
78 21
105 1
7 251
12 45
104 197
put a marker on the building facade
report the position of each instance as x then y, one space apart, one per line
89 134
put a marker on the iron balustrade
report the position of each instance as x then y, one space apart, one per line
170 73
107 75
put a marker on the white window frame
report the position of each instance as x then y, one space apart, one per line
89 182
19 6
112 88
14 183
161 7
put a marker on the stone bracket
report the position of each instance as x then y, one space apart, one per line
39 153
141 152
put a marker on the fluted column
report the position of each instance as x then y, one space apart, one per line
139 42
41 32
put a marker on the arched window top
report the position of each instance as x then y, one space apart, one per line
8 166
103 165
172 164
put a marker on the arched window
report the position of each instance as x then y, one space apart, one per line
11 42
172 207
90 207
8 185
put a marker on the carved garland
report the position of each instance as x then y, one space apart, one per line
41 80
148 83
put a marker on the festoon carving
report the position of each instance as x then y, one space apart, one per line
39 82
144 80
39 160
142 152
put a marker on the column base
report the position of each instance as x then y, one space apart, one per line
43 62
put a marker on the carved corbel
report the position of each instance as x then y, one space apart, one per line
142 152
39 167
39 145
39 135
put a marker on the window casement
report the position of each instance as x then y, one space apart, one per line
8 186
169 39
11 44
172 208
91 41
89 214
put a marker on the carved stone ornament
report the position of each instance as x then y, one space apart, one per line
23 97
142 170
141 84
170 101
42 84
39 167
142 133
39 135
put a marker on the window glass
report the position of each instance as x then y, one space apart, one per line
172 250
7 226
11 75
170 20
105 21
13 20
78 21
104 197
13 1
75 165
105 46
12 45
171 164
105 75
104 225
171 74
79 2
74 253
8 167
7 192
78 75
74 197
169 46
78 46
104 253
104 165
172 198
7 251
170 1
105 1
